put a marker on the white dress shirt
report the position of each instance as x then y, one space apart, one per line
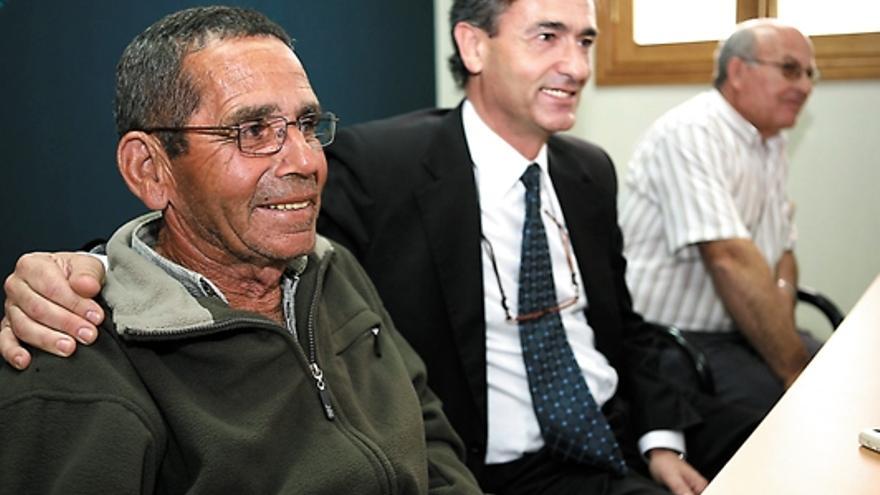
513 427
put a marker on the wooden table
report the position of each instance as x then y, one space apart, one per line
808 443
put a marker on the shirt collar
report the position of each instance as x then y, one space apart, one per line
145 236
498 163
742 127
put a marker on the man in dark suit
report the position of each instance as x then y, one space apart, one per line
414 198
401 195
431 203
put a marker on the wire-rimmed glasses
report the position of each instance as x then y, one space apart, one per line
534 315
791 70
266 136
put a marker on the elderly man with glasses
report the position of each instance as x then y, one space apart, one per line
708 226
241 352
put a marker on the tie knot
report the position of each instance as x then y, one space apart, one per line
531 178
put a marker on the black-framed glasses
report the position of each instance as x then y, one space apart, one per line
791 70
263 137
534 315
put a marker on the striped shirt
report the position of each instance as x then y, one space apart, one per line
701 173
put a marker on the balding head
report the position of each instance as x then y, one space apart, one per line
766 70
745 41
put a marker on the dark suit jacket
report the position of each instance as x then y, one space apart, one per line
401 195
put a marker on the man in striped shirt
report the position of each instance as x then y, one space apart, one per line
707 224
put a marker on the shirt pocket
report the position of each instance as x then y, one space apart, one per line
362 333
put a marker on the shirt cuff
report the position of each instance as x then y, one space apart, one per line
100 257
662 439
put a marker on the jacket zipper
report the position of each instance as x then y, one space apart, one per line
312 355
318 375
324 393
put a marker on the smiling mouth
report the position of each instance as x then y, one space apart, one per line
290 206
558 93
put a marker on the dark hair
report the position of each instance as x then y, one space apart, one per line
482 14
153 90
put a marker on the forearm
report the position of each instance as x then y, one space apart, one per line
787 268
761 309
787 278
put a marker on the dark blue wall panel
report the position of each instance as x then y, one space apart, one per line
60 187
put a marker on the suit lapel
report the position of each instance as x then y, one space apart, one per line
450 213
578 197
576 191
589 206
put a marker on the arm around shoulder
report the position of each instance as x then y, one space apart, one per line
48 301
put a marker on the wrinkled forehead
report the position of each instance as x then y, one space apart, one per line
250 71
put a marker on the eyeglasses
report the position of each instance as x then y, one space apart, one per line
266 136
790 70
534 315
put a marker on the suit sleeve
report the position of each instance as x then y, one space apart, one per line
656 403
345 204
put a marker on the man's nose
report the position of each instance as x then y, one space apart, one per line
298 155
805 82
575 62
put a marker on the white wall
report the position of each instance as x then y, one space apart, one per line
835 156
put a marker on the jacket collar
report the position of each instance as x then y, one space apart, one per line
149 293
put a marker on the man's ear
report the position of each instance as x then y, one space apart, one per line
471 42
736 68
145 167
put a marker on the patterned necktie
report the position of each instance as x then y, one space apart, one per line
571 423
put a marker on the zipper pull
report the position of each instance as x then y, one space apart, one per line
318 375
376 349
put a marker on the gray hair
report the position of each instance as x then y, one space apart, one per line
743 43
482 14
740 44
153 90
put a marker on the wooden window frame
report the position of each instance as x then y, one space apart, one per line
619 60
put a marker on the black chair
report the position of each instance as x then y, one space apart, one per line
698 362
822 303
